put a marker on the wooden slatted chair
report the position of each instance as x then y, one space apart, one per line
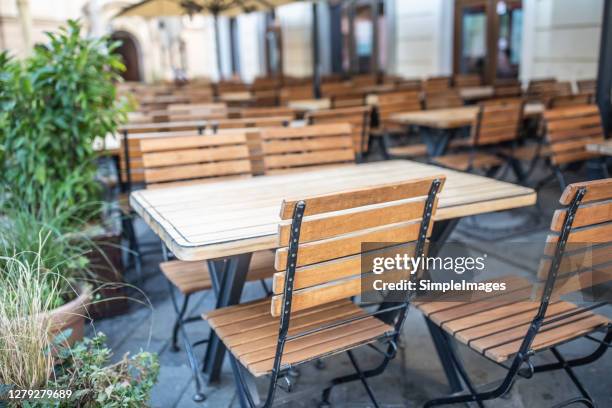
567 132
264 112
588 86
442 99
507 88
542 89
295 93
299 148
318 261
560 101
511 328
437 84
359 118
388 104
495 125
467 80
183 161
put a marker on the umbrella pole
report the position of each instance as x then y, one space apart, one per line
218 45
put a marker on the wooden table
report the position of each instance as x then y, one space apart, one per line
440 125
236 97
475 93
604 148
224 223
307 105
452 117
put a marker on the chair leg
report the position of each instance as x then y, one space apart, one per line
363 379
180 313
560 178
193 363
570 373
352 377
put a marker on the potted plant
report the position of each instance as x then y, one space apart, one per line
36 353
53 106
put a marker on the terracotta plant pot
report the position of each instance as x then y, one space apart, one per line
71 316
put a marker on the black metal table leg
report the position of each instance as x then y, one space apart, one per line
439 235
228 277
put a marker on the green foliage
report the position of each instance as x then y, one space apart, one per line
52 107
41 238
85 369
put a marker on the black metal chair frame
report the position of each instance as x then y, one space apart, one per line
179 327
525 352
390 339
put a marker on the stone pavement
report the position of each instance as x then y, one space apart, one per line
412 378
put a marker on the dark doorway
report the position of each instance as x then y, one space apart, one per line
129 53
487 38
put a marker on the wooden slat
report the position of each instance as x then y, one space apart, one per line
335 269
198 171
586 215
308 158
350 244
596 190
362 197
327 227
190 156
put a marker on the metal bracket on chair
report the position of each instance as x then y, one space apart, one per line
530 369
387 354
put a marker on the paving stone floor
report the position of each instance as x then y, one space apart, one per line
512 240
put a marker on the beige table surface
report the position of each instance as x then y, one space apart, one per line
452 117
236 97
601 148
214 220
307 105
473 93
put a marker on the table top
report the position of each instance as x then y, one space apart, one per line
214 220
473 93
602 148
236 97
451 118
307 105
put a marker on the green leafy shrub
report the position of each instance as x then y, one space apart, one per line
52 107
85 369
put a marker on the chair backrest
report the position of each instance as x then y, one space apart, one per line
467 80
255 122
560 101
265 83
275 111
569 130
266 97
497 123
358 117
307 146
442 99
578 252
230 87
405 84
199 111
505 88
588 86
333 88
352 98
395 102
194 158
293 93
358 81
542 89
325 252
434 84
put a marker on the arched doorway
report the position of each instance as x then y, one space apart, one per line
129 52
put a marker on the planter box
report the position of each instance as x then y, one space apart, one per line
107 266
71 316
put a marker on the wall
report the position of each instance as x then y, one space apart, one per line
423 38
561 38
296 21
